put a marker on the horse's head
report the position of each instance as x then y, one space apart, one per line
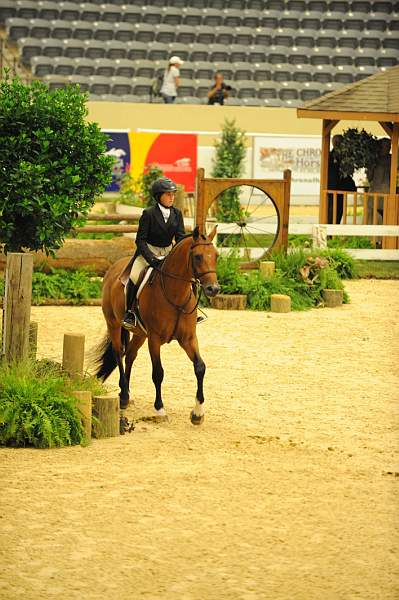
203 259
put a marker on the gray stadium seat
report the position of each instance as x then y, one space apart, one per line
112 14
243 71
181 50
41 66
269 92
289 95
309 94
277 56
296 5
290 22
82 82
251 19
201 52
339 7
383 7
304 41
17 28
165 34
55 82
172 16
73 48
237 53
322 77
262 72
393 25
361 6
343 77
69 11
320 59
8 10
244 36
29 47
311 24
187 70
125 32
224 35
365 61
350 43
204 70
131 14
103 32
61 30
185 34
159 51
317 6
192 16
341 60
373 24
232 18
301 76
96 49
187 87
84 30
392 42
85 66
247 89
151 15
64 66
270 20
26 9
284 74
353 24
142 86
99 85
206 35
90 12
121 85
202 87
388 58
115 49
212 18
52 47
144 33
104 67
136 68
326 41
298 57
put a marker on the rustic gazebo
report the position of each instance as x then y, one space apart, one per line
375 98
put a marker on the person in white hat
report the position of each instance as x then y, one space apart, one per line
171 80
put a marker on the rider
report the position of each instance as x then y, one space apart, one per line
159 225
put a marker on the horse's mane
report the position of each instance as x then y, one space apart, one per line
184 239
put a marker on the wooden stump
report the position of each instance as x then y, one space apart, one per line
33 327
17 301
84 404
106 410
73 353
332 298
229 301
267 268
280 303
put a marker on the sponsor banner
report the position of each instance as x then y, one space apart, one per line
274 153
174 153
118 147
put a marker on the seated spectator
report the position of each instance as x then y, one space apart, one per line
219 91
171 80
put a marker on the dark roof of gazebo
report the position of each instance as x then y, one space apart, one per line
373 98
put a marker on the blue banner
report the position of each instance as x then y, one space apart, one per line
119 148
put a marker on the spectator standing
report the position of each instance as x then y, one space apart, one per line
219 91
171 80
337 182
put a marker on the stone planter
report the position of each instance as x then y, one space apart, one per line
229 301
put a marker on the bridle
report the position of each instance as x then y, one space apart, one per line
195 281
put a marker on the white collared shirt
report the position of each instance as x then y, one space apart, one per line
165 212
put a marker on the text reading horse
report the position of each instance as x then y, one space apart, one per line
168 310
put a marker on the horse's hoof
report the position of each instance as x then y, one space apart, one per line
123 403
161 416
196 419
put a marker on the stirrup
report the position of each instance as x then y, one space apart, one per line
129 321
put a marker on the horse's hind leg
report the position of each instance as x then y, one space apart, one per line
131 354
116 339
154 346
192 350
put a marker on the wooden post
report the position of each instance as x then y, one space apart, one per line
391 216
267 268
332 298
327 127
106 410
33 327
280 303
73 353
84 404
229 301
17 302
286 209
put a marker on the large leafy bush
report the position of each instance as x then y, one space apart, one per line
52 163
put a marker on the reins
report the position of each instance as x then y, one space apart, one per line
194 281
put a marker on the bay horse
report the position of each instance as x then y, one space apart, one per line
168 310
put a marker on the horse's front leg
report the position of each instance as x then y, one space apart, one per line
154 346
191 347
116 340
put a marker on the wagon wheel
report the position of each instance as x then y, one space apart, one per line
255 229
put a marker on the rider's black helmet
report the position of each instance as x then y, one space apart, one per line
162 185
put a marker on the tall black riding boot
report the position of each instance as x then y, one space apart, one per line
130 320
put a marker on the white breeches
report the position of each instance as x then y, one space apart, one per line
140 263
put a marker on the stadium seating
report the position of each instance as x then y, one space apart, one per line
274 52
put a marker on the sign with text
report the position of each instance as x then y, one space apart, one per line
174 153
272 154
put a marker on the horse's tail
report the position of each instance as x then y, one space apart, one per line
105 360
